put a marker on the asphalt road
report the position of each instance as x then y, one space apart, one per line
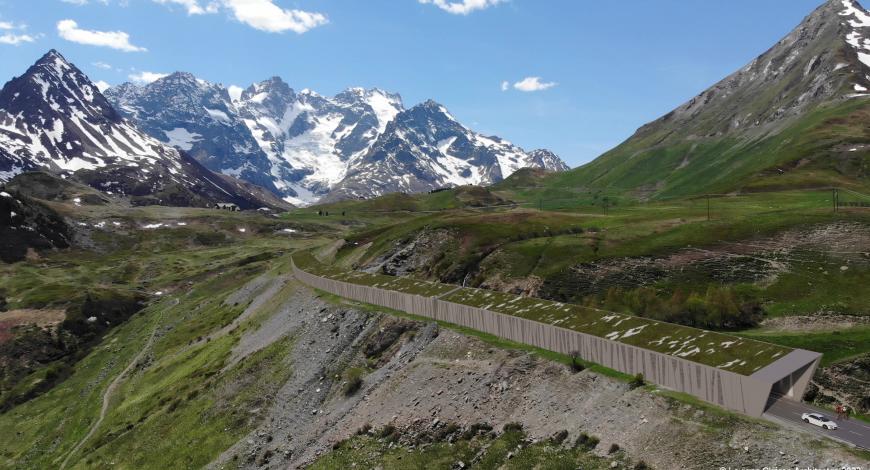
852 431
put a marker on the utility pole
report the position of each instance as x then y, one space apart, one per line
708 207
834 198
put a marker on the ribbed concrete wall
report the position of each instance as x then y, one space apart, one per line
733 391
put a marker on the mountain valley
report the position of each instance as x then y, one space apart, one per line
197 276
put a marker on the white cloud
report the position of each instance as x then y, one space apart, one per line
266 16
463 7
69 30
85 2
193 7
505 85
529 84
102 65
235 92
263 15
10 25
144 78
102 86
9 37
16 39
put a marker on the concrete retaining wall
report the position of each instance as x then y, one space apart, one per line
745 394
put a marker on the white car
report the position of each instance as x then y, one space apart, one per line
819 420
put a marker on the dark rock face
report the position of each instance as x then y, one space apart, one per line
54 118
26 224
196 117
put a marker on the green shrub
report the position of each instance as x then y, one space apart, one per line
388 432
445 432
586 442
811 393
475 429
210 238
559 438
576 366
513 427
718 307
637 382
353 381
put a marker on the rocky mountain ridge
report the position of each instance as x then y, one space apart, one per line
306 147
54 118
426 148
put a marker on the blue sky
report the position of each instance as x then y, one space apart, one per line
605 67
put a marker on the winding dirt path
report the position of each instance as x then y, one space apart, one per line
110 390
277 284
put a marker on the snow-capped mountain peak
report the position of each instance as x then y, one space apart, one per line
273 87
384 105
310 139
197 117
303 145
54 118
425 148
52 78
857 37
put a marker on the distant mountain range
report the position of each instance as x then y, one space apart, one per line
306 147
183 141
795 117
54 118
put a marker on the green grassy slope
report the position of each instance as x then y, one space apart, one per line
813 151
181 411
442 200
509 451
180 404
507 248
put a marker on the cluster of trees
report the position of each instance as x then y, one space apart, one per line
717 308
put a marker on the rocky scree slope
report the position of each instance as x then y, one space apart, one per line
422 380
